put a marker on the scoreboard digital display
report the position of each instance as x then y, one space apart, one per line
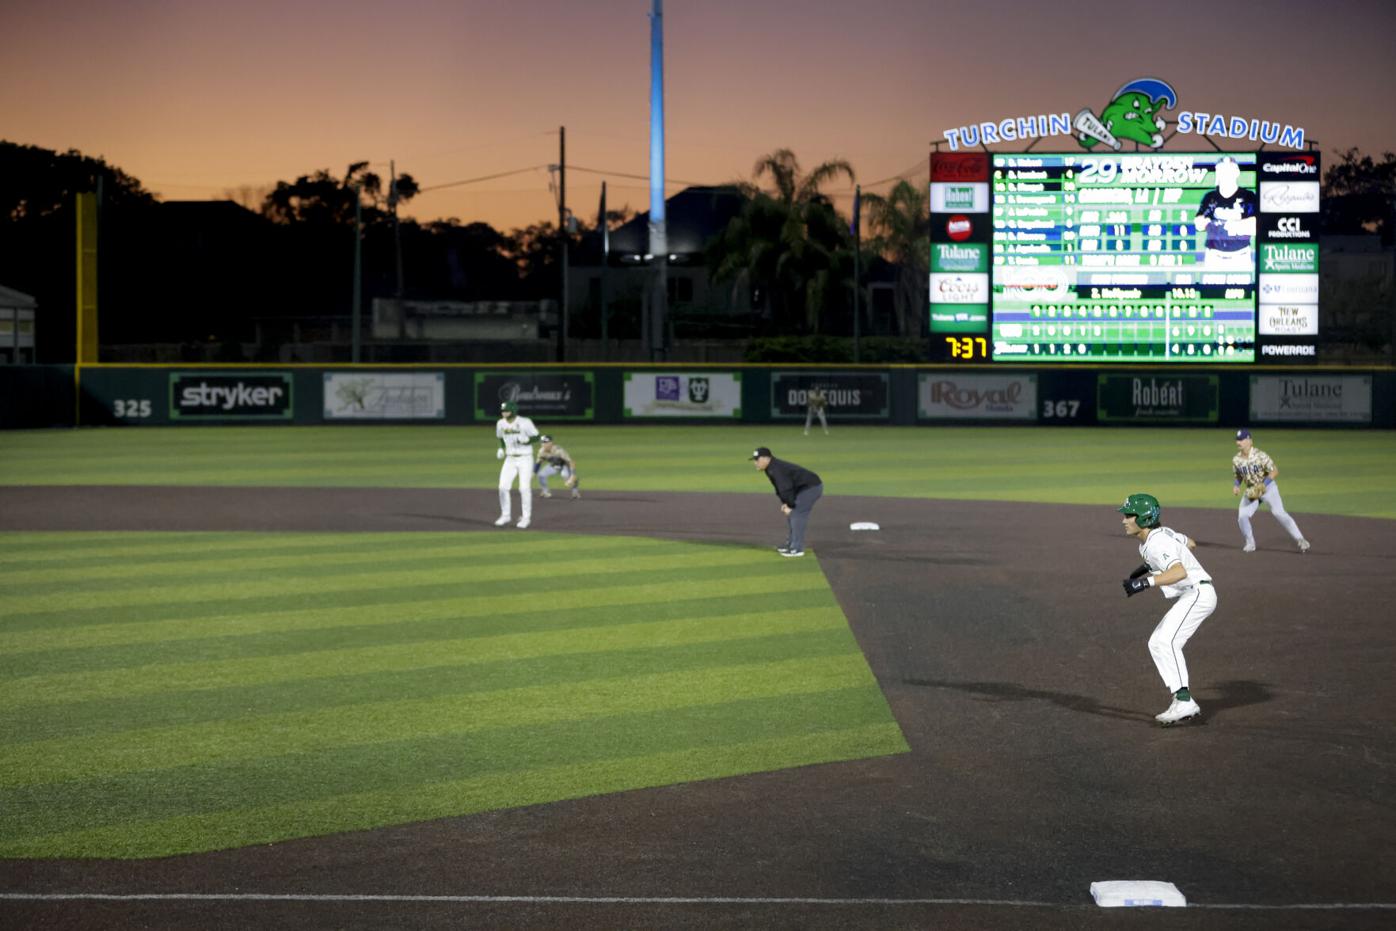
1124 257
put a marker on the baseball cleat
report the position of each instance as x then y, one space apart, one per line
576 494
522 524
782 550
545 493
1178 711
791 552
503 519
1303 546
1248 548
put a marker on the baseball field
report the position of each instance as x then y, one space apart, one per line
295 675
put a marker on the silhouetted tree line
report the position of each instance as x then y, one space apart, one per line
203 271
200 272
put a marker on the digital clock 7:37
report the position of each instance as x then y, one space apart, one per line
968 347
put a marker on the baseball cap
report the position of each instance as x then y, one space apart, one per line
1243 434
545 438
508 407
759 452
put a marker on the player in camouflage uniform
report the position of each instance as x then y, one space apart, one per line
817 401
1255 485
554 460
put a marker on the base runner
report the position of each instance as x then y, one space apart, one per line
1169 566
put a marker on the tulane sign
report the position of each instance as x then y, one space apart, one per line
1135 113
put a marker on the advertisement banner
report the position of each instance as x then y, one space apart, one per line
959 287
959 227
850 396
1288 289
1288 320
966 396
1289 257
960 166
550 395
959 196
1320 398
1144 398
219 396
1289 196
1289 227
385 396
960 257
683 394
959 318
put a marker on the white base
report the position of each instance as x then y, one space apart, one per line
864 525
1124 893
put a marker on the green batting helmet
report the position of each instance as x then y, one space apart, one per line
1143 508
508 407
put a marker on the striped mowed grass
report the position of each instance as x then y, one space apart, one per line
169 693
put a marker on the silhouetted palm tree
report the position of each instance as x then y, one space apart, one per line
788 245
900 227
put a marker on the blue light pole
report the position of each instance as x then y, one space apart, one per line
659 238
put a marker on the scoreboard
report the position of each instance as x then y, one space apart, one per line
1114 257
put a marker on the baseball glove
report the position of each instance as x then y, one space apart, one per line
1255 492
1139 573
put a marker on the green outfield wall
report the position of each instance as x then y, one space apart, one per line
91 395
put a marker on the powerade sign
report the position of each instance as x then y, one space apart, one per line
1153 398
848 395
215 396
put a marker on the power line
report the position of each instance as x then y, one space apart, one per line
502 174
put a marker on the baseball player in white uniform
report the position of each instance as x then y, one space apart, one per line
1255 484
516 438
1171 567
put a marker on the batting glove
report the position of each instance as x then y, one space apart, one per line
499 454
1134 586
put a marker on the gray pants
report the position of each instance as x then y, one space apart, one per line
1277 508
798 518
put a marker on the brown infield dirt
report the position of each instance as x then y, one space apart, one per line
1017 670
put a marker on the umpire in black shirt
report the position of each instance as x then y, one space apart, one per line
798 489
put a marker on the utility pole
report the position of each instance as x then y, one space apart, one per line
355 323
857 270
605 261
563 232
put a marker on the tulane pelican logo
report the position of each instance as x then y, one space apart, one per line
1131 116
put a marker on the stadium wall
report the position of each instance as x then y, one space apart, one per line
45 396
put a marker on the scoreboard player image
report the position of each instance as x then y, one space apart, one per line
1227 217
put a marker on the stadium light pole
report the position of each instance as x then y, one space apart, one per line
658 229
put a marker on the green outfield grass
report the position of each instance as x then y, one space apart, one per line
167 693
1321 471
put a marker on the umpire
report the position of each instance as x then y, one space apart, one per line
798 489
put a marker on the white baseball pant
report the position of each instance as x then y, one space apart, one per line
1277 508
1176 628
812 413
520 466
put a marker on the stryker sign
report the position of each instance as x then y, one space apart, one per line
230 396
1133 114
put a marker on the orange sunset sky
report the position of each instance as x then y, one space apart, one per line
198 98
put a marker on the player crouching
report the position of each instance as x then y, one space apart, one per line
1171 567
554 460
